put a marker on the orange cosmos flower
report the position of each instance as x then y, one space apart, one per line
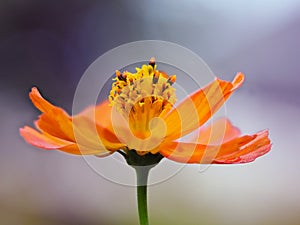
140 118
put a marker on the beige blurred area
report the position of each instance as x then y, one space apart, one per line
50 45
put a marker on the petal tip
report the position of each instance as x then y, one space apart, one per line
34 92
238 80
38 100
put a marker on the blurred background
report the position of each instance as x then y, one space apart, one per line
50 44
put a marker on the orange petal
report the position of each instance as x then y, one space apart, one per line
88 133
83 150
101 115
42 141
239 150
55 122
259 146
97 119
48 142
39 102
197 108
217 132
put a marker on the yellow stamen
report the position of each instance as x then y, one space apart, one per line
142 96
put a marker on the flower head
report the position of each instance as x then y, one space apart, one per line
139 120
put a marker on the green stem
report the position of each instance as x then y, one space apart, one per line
142 173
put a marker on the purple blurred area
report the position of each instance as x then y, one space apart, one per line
49 44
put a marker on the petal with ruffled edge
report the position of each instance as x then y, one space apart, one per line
257 147
239 150
197 108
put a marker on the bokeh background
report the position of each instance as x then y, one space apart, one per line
50 44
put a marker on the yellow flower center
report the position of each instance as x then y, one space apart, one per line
142 96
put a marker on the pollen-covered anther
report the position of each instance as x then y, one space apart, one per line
152 62
118 74
155 76
121 76
172 79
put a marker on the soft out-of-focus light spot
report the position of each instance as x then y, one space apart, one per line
216 27
270 10
274 8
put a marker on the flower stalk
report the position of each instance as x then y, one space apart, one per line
142 165
142 173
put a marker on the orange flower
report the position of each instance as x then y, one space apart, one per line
140 117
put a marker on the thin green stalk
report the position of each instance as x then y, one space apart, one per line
142 173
